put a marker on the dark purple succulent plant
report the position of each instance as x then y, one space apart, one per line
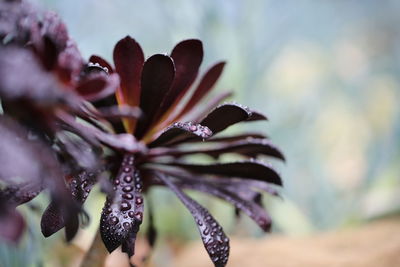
43 119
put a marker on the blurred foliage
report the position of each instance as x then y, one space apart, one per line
325 72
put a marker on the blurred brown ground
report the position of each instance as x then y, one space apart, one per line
376 244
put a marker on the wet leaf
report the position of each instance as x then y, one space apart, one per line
217 120
123 213
250 207
102 62
54 218
214 239
181 131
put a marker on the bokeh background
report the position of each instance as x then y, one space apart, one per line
326 73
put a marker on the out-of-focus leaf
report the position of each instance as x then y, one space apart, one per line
25 164
123 213
125 142
128 60
181 131
55 29
94 89
157 77
69 63
37 85
118 112
54 218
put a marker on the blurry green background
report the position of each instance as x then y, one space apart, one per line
326 73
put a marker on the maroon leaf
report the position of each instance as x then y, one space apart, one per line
125 142
244 169
240 186
250 147
55 29
226 115
181 131
128 59
206 84
157 77
251 208
99 87
54 218
187 56
69 63
123 213
118 112
257 116
237 137
214 239
102 62
233 138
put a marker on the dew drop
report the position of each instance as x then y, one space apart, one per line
116 182
127 188
127 169
193 128
207 131
139 215
125 206
126 225
127 196
138 200
128 179
131 214
114 220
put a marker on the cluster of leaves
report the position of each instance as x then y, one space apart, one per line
68 123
